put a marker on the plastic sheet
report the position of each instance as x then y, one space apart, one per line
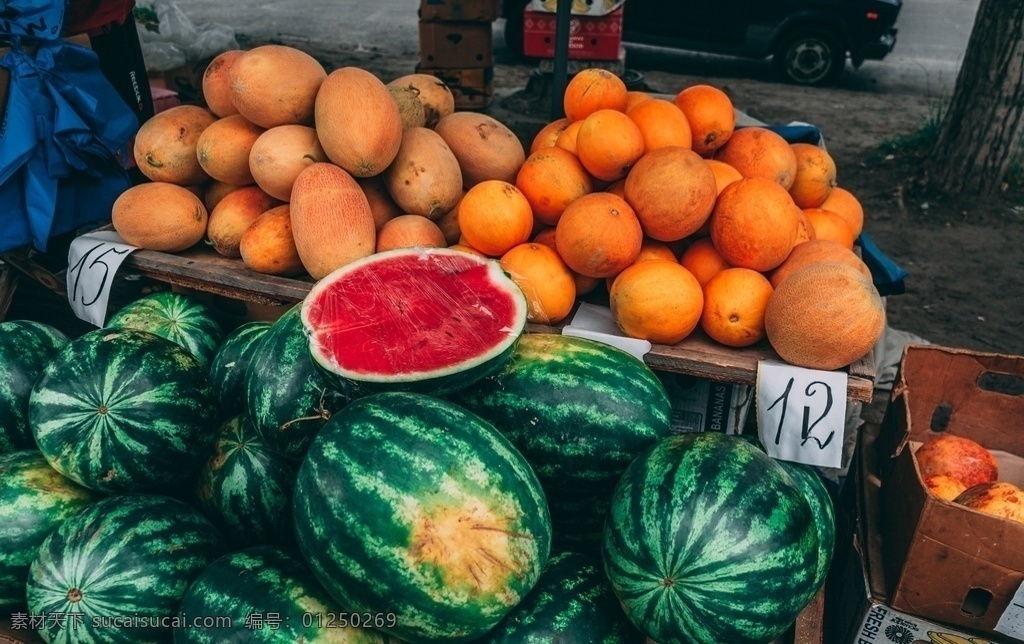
178 40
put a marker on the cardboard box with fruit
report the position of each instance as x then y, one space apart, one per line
952 507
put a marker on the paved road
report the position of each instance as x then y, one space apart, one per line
932 38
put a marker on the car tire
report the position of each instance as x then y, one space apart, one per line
810 57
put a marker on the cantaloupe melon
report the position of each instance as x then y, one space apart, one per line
217 83
425 178
382 205
485 148
233 215
223 149
438 101
330 218
276 85
280 154
268 245
409 106
358 122
159 216
165 146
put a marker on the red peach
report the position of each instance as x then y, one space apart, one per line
958 457
1001 499
946 488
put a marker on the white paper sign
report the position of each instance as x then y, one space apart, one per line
801 413
1011 622
596 323
93 260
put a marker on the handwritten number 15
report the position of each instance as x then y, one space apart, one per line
81 266
806 426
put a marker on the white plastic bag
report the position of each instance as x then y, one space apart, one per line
180 41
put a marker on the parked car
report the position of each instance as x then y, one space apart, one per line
808 40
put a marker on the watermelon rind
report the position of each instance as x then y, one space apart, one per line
573 603
229 364
124 558
409 504
25 348
245 488
264 595
437 379
180 318
34 500
708 540
287 398
813 488
122 410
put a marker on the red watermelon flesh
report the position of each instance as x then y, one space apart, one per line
422 319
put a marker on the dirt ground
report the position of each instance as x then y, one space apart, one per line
965 257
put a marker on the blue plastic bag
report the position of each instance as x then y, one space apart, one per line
65 129
31 20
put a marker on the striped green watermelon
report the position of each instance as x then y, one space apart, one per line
122 410
817 496
577 516
430 320
287 398
229 364
25 348
411 505
122 557
34 500
708 540
246 489
270 597
579 410
571 604
180 318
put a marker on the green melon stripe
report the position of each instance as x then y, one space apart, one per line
261 581
368 543
126 555
818 498
176 317
719 582
564 401
25 348
229 364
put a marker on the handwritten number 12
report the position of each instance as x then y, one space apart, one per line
806 426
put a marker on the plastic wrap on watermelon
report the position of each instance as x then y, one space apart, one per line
432 320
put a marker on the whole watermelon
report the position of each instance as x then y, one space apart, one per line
246 489
286 396
180 318
269 595
411 505
573 603
121 410
122 557
229 364
817 496
25 348
34 500
708 540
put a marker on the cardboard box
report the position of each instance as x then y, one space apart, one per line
858 611
473 89
702 405
460 10
579 7
457 45
590 38
944 561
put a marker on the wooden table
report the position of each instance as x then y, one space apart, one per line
202 269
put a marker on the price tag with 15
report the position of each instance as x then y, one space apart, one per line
93 260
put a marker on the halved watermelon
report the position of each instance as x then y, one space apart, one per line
431 320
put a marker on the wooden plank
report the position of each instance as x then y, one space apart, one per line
8 285
203 269
22 261
810 623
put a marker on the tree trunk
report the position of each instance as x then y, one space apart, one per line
983 125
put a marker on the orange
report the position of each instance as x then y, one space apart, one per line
467 249
816 251
734 304
758 152
805 231
724 173
710 114
544 279
598 235
551 179
608 144
591 90
548 134
815 175
406 231
703 260
649 249
843 203
754 224
617 188
634 98
567 137
672 191
661 123
658 300
494 216
829 225
584 284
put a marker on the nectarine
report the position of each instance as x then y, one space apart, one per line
946 488
958 457
1001 499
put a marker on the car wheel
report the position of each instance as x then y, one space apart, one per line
811 57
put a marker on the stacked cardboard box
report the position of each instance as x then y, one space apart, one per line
595 34
456 46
